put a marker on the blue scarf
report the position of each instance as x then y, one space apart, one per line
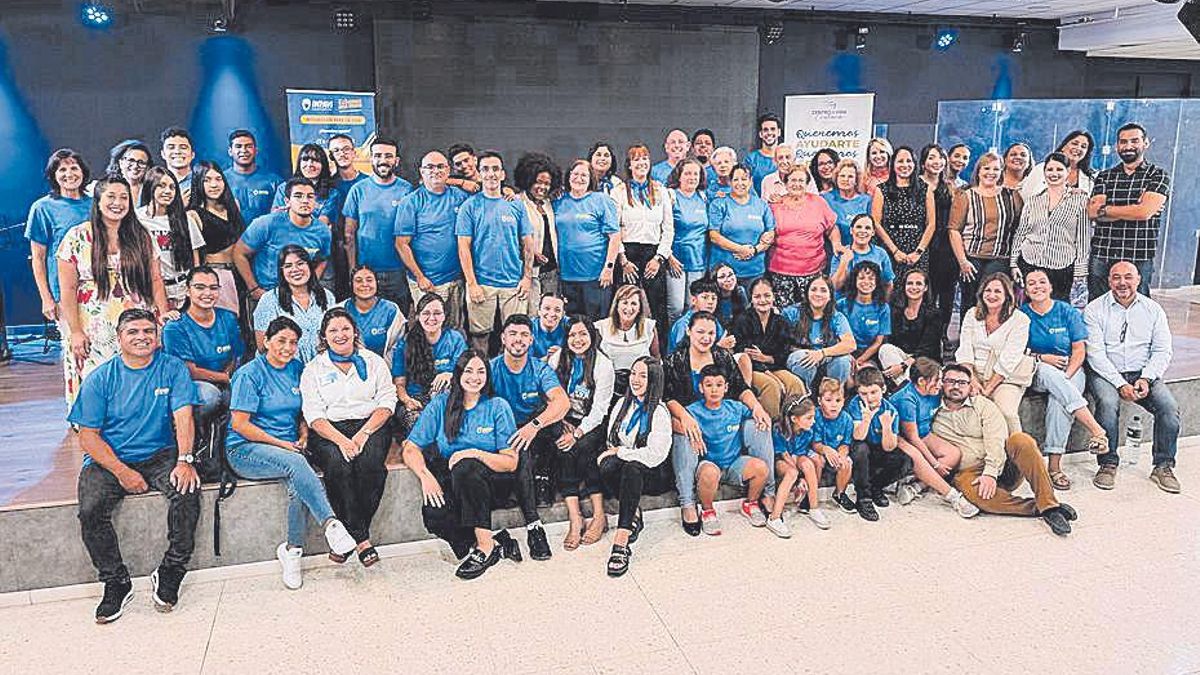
637 418
640 190
360 364
576 375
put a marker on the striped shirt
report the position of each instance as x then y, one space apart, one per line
1133 240
1054 238
987 224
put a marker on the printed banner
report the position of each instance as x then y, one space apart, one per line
838 121
314 115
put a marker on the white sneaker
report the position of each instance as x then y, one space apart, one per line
339 540
818 518
289 558
779 528
962 506
905 494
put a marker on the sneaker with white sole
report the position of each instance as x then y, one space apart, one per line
818 518
710 524
779 528
339 540
962 506
754 514
289 559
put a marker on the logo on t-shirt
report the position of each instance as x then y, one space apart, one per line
295 390
530 395
378 331
506 218
732 427
484 430
753 217
1055 330
260 192
221 349
438 363
162 391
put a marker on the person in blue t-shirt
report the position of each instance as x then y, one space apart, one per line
795 458
742 228
549 329
689 251
253 186
877 463
312 164
868 312
423 359
1058 340
822 335
267 439
49 219
704 297
424 237
538 404
676 145
495 248
459 449
262 241
727 428
846 199
134 415
299 297
208 340
588 241
369 211
832 439
344 153
862 232
380 322
761 160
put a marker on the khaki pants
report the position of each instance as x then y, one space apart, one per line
773 387
1007 397
1024 464
452 294
481 316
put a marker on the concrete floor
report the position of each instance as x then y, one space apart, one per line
921 591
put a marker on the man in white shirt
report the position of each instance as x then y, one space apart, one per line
1128 349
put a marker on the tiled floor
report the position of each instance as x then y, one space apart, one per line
921 591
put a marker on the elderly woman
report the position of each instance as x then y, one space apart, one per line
803 225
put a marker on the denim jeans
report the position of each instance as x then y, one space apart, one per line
1066 396
393 285
259 461
586 297
837 367
99 494
213 400
685 460
677 293
1098 276
1160 403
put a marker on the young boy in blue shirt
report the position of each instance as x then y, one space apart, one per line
876 437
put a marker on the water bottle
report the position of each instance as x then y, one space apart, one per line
1133 440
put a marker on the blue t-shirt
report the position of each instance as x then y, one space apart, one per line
661 171
374 325
543 340
760 165
867 321
722 430
526 390
497 229
584 226
254 191
875 431
835 432
679 330
1053 332
486 427
841 326
210 348
713 187
846 210
690 247
446 351
49 219
913 406
800 445
271 395
429 220
342 188
741 224
132 408
309 320
374 207
876 255
267 236
327 207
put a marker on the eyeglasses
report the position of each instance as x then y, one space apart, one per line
342 151
435 167
955 382
138 163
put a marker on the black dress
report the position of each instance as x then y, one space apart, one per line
904 220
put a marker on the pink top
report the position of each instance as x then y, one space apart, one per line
800 234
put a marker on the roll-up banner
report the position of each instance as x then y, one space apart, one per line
842 122
314 115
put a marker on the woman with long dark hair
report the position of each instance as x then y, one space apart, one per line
459 450
638 442
822 335
214 211
899 205
957 159
348 400
764 337
105 266
917 327
177 240
822 169
51 216
1076 147
379 320
943 270
1055 232
602 159
299 296
423 359
313 163
865 306
587 376
732 298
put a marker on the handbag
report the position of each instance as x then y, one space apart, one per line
1022 376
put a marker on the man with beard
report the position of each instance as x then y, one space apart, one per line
178 152
676 146
268 234
762 160
1127 204
370 211
252 186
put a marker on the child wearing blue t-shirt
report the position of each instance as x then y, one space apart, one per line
795 456
832 429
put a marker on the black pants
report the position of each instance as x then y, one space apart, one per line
354 487
875 468
1060 280
469 489
578 465
624 479
656 287
99 494
538 460
983 267
943 281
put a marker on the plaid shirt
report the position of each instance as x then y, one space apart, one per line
1134 240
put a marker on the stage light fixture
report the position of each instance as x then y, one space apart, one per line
860 38
344 20
772 31
945 39
96 15
1018 43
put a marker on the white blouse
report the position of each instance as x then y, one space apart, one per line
658 442
624 347
644 224
330 394
1007 343
605 379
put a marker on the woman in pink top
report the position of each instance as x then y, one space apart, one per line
803 221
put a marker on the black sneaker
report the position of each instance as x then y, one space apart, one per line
117 594
844 502
545 491
477 562
509 548
867 510
539 548
1067 511
1057 520
165 581
880 499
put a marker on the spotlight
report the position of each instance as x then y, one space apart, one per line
219 25
772 31
1018 43
860 38
344 20
945 39
96 15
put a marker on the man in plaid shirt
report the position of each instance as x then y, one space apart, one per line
1127 204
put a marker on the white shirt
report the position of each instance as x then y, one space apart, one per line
1035 182
624 346
159 228
1127 340
645 224
658 442
605 379
330 394
1007 343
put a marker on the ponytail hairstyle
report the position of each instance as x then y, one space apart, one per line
793 405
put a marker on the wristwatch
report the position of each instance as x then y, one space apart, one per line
608 265
537 424
187 459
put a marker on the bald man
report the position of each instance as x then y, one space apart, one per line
1128 350
676 145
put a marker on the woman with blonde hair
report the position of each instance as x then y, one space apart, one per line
628 332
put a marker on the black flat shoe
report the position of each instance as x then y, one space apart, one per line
368 556
880 500
618 562
476 563
1067 511
509 548
867 510
1057 520
692 529
638 524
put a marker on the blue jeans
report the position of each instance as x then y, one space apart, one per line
213 399
678 293
1160 403
685 460
837 367
1066 396
1098 276
259 461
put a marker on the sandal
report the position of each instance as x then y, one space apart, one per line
368 556
590 536
638 524
618 562
571 541
338 557
1060 481
1098 445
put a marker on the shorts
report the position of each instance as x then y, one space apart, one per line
732 474
481 317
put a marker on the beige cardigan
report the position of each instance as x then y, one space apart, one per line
1008 343
535 220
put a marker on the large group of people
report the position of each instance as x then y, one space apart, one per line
612 326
